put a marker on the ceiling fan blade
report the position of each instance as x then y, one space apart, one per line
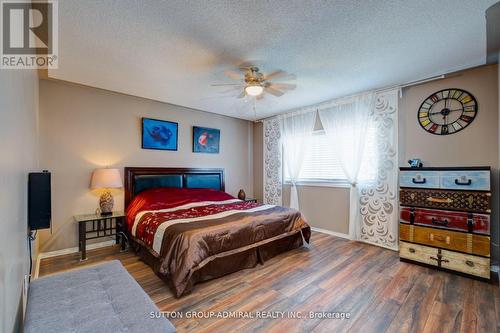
276 74
226 84
289 77
274 91
233 75
245 68
230 90
283 86
242 94
246 65
285 77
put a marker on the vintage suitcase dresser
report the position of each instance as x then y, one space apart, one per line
445 218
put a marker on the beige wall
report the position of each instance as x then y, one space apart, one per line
83 128
477 145
18 125
323 207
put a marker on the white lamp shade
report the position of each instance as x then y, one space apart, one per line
254 90
106 178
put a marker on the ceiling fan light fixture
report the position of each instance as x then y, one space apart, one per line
254 90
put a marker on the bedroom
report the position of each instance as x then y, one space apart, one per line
253 170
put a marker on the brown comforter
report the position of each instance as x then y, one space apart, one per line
199 243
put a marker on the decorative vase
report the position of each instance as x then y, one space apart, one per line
241 195
106 203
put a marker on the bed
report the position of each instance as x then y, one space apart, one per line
182 223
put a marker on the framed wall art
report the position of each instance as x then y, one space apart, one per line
159 134
206 140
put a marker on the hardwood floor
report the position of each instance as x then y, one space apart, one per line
380 293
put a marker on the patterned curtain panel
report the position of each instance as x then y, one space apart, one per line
272 162
378 201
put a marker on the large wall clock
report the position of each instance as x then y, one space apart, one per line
447 111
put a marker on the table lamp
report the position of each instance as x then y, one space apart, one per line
106 179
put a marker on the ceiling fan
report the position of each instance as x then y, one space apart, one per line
254 83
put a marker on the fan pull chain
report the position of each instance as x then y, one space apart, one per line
254 109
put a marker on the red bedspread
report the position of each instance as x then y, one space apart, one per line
163 198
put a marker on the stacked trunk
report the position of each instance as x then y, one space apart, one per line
445 218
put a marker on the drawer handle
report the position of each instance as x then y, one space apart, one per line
439 258
461 183
469 263
415 181
437 222
411 250
439 238
439 200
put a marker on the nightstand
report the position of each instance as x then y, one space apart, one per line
93 226
250 200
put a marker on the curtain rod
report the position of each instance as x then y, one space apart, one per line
404 85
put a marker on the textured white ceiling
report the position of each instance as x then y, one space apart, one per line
172 51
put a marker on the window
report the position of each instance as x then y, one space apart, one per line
322 165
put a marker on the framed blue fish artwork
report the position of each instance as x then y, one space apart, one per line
159 134
206 140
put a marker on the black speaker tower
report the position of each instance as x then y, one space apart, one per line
39 200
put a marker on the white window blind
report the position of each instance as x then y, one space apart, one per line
321 163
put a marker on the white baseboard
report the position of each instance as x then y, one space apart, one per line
75 249
346 236
332 233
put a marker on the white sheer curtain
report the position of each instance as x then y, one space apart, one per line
295 129
347 123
